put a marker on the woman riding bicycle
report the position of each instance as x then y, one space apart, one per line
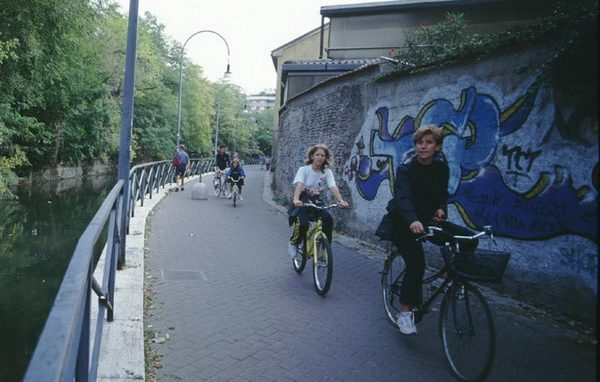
310 182
420 199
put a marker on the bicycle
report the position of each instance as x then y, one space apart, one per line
219 185
466 325
235 190
316 245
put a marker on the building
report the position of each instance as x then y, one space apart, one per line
262 101
371 30
362 34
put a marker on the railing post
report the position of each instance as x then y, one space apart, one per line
127 119
83 356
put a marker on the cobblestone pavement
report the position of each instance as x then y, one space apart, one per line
227 306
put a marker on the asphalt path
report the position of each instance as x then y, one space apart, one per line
226 305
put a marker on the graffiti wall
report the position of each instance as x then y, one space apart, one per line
523 157
507 167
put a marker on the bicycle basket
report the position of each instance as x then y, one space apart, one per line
482 265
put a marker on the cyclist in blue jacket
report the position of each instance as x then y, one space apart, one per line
236 172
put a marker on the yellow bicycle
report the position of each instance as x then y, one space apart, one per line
316 245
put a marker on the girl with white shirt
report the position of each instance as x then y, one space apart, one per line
311 181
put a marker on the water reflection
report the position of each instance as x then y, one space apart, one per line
38 234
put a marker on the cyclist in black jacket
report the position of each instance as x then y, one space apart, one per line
222 159
420 199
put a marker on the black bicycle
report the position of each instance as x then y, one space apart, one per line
466 325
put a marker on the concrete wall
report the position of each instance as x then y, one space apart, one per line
523 157
305 47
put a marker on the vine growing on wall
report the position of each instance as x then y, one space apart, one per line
431 45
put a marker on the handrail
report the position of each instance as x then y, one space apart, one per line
63 350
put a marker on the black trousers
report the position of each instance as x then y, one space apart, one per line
302 223
414 258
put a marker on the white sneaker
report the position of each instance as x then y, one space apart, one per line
228 196
406 323
240 197
292 250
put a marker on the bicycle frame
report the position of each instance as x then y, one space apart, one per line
314 233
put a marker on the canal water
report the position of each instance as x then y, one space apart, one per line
38 234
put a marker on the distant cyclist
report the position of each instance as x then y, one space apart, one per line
237 173
222 159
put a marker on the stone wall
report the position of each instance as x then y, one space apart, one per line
522 152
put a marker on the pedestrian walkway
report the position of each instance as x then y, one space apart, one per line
227 306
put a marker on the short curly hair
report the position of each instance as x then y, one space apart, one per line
434 130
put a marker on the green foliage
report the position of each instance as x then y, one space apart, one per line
61 87
434 42
247 133
432 45
264 133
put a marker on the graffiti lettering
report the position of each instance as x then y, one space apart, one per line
516 153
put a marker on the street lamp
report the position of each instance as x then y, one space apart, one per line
227 72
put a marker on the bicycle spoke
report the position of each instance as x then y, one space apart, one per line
322 269
468 333
391 281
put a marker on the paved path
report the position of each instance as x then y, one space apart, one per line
227 306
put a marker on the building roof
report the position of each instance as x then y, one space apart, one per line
399 6
294 41
325 64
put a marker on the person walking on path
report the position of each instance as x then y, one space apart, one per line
181 160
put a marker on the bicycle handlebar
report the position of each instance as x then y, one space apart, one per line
433 231
319 207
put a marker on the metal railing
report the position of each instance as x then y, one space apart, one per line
63 350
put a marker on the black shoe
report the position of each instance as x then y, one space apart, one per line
182 188
177 190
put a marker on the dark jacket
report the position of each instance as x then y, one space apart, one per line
222 161
419 191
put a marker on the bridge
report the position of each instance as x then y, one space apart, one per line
223 303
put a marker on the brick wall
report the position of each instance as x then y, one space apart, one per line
522 147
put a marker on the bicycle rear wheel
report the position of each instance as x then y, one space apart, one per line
299 261
323 267
217 186
391 281
468 333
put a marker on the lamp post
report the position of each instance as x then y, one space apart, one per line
227 72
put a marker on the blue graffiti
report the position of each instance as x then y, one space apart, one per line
548 209
472 133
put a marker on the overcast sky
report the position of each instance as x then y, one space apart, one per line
253 28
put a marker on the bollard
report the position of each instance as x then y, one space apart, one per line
199 190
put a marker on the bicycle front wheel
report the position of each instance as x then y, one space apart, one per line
299 261
323 266
468 333
391 281
217 186
234 198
